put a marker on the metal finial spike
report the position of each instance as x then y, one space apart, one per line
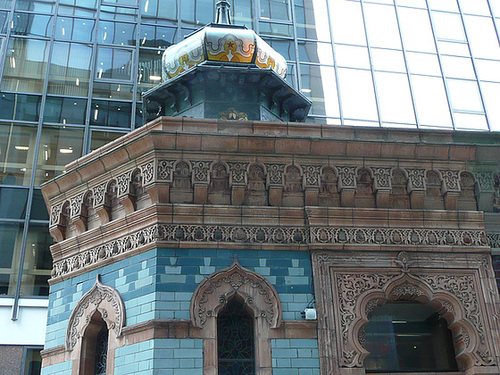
223 16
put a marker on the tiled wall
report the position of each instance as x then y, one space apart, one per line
159 284
295 357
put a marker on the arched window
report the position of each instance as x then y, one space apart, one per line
408 336
235 340
94 347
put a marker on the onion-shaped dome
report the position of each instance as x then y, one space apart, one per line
221 44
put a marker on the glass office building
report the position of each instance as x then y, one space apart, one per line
72 73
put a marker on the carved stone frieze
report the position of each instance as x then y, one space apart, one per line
382 178
201 171
100 298
275 173
216 290
397 236
347 177
105 251
237 173
311 175
494 240
416 179
165 170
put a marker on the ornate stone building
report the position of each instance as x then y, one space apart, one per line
208 246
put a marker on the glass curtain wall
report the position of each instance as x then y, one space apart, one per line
72 73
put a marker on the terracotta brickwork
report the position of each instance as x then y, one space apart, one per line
377 215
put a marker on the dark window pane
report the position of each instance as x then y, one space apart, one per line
37 262
33 363
408 336
276 29
149 69
65 110
32 24
12 201
75 29
10 249
110 113
118 13
198 12
113 91
283 46
38 208
20 107
3 22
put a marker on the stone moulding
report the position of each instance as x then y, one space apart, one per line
456 294
102 298
255 291
252 234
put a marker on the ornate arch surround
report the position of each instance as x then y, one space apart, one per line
102 298
259 298
355 291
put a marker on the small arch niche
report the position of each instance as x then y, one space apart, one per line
235 340
408 337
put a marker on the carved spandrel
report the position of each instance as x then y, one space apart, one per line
76 205
147 173
484 181
237 173
165 170
450 180
382 178
55 214
416 179
201 171
275 173
347 177
99 193
311 175
123 183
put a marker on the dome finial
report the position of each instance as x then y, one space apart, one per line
223 16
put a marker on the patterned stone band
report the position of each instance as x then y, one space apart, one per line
269 235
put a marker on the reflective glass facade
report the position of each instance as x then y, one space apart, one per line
72 73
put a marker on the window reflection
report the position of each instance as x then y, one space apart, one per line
275 9
77 7
10 253
157 36
5 4
99 138
58 147
75 29
198 12
149 68
70 69
3 22
31 24
118 13
315 52
116 33
161 9
113 91
318 83
43 6
285 47
114 63
242 13
37 262
65 110
25 65
33 362
311 19
17 147
107 113
276 29
38 207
